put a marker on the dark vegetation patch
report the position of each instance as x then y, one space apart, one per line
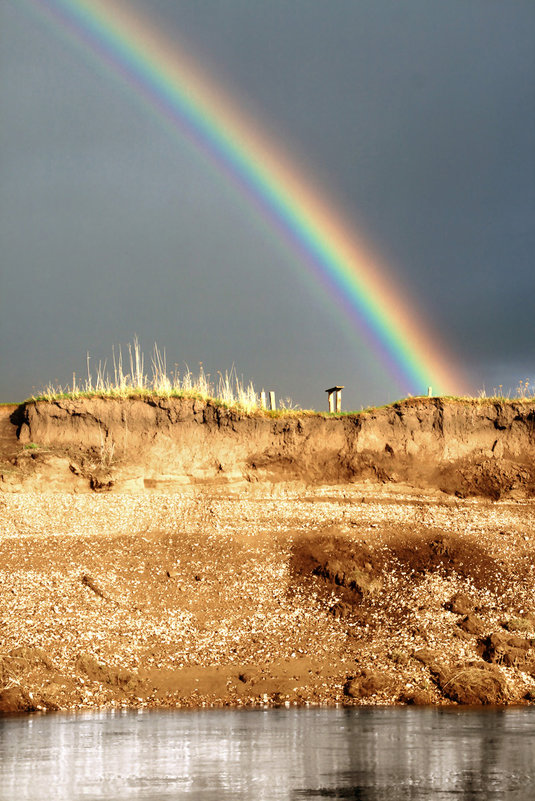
450 554
357 567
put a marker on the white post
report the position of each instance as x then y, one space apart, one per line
272 404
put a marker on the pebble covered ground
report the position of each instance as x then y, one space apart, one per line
338 595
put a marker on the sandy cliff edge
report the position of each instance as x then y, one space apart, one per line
469 448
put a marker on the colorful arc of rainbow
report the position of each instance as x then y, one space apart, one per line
356 282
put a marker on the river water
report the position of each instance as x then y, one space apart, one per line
368 754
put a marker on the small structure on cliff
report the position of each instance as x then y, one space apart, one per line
272 402
335 393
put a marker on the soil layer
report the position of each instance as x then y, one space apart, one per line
472 448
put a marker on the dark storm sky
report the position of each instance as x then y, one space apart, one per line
418 116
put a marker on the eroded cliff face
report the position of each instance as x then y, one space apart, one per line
468 448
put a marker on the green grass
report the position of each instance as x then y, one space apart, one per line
50 395
257 409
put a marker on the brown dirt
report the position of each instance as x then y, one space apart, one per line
484 449
293 560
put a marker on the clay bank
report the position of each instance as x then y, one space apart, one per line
481 448
171 552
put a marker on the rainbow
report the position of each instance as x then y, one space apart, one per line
350 276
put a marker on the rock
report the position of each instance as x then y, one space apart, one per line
362 582
116 677
469 683
332 558
16 699
367 684
472 624
20 661
88 664
506 649
101 482
474 683
24 434
30 657
49 697
172 573
461 635
416 697
461 604
430 658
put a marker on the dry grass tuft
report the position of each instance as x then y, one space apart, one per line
525 391
128 377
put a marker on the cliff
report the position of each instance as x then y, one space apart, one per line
464 447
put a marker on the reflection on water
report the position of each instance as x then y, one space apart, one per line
367 754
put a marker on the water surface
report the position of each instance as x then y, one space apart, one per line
369 754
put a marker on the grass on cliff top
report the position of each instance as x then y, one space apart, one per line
283 411
128 379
